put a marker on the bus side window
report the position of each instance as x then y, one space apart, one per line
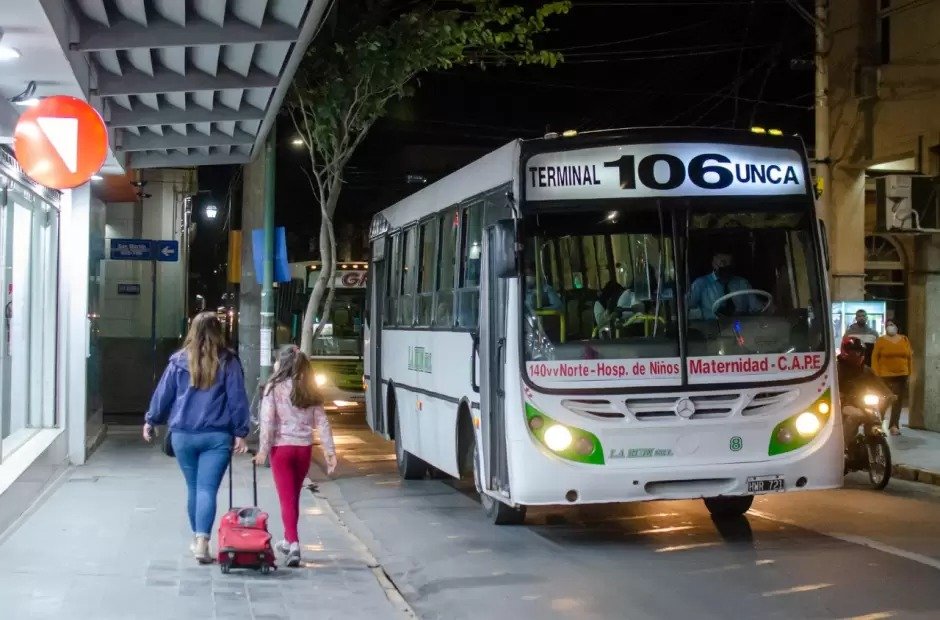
426 273
471 250
446 268
406 299
393 283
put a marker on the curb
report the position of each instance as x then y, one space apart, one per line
915 474
329 490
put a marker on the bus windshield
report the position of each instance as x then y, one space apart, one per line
607 284
342 336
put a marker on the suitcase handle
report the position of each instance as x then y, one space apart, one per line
254 480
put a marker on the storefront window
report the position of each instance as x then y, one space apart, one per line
29 227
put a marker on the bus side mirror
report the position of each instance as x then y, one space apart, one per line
503 247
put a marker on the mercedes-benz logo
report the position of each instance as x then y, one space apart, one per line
685 408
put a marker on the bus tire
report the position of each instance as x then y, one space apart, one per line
410 467
729 507
496 511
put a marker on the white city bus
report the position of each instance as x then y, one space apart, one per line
337 355
550 321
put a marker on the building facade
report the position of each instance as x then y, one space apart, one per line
883 63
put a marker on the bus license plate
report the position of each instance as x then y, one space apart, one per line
765 484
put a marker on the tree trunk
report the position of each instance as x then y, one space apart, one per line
324 282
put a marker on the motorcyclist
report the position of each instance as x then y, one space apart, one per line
855 380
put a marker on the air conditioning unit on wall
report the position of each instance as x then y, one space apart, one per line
908 203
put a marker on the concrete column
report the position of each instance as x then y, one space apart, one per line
924 333
249 306
73 319
847 233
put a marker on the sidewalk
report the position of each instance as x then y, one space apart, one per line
110 542
916 454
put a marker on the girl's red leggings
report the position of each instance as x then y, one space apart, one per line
289 465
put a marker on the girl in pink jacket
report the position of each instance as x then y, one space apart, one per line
290 409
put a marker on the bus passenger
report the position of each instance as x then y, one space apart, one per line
708 289
614 302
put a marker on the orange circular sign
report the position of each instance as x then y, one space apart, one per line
61 142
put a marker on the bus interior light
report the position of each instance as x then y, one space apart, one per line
807 424
775 132
557 437
759 130
319 379
570 133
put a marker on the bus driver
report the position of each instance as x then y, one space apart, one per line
708 289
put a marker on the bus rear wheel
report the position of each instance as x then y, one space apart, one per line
496 511
729 507
410 467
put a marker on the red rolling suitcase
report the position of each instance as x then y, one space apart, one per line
244 540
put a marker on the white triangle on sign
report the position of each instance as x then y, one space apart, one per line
62 133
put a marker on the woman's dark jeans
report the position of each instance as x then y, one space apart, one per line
203 457
898 385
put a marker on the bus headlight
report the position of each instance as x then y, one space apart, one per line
800 429
319 379
557 437
568 442
807 424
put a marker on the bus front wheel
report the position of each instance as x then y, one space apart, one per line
728 507
496 511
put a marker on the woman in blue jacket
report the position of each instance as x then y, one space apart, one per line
202 398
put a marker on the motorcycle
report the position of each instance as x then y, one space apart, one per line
869 451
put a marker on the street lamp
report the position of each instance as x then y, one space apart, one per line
211 211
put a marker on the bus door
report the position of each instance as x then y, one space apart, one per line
376 300
492 358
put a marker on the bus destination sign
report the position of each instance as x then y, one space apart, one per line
664 170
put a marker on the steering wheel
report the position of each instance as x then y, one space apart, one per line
748 291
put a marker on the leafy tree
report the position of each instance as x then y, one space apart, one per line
347 80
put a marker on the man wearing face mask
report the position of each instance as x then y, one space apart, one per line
550 300
709 288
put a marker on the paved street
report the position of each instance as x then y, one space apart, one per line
109 542
853 553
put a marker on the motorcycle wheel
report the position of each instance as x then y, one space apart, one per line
879 461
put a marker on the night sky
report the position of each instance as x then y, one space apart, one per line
707 63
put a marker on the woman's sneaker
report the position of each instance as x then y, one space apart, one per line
293 555
201 550
283 547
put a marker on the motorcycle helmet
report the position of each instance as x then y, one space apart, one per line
852 350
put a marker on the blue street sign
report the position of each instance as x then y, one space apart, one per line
131 249
166 251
